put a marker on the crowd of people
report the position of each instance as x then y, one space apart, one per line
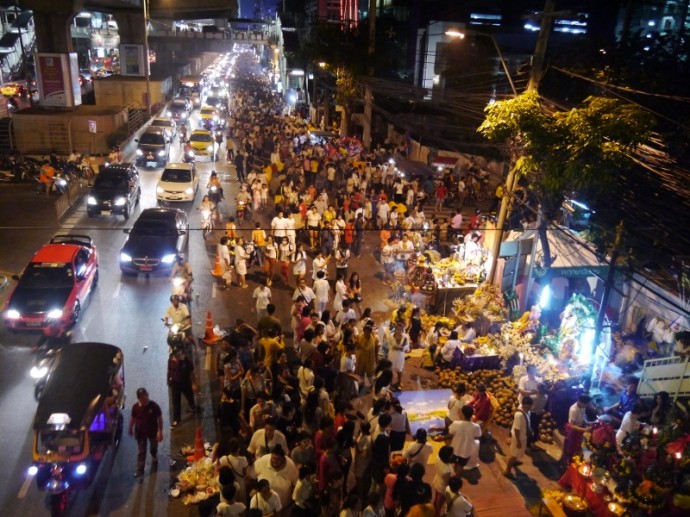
309 414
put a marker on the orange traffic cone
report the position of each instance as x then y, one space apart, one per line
199 451
210 337
218 269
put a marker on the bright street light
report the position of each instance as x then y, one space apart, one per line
461 35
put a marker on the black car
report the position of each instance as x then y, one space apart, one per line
115 191
179 110
153 149
158 237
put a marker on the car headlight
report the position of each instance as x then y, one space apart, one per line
38 372
169 259
91 201
189 191
168 113
81 469
190 154
161 153
210 148
55 314
140 152
125 258
120 201
12 314
215 118
32 471
160 190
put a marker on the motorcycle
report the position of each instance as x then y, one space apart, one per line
40 371
206 222
177 335
214 194
189 156
241 211
182 288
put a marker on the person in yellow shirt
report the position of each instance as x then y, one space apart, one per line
259 241
271 345
329 214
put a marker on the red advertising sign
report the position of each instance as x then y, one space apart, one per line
52 80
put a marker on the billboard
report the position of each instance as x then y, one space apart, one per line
58 80
132 60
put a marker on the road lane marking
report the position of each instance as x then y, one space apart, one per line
213 290
25 487
116 292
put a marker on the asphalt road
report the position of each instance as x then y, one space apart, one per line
123 310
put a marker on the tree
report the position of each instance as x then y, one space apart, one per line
562 152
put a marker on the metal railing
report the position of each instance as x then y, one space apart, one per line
75 192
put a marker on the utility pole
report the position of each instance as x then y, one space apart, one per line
542 43
368 94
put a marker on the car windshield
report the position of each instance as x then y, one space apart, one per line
110 182
212 101
48 275
152 139
64 441
208 111
179 105
185 91
154 228
201 137
161 123
177 176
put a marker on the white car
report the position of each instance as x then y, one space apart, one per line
179 182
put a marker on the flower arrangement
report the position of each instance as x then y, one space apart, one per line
649 496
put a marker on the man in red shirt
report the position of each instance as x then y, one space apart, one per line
146 425
483 409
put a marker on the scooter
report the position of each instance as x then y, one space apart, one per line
177 336
206 222
214 194
189 156
241 211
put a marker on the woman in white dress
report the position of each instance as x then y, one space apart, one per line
241 257
398 344
299 263
340 293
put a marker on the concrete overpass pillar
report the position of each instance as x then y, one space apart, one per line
53 33
130 26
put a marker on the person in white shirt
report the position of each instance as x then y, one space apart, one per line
320 263
382 211
459 399
449 347
419 450
263 440
262 295
313 225
457 504
304 290
466 435
630 424
229 506
322 290
528 383
469 333
279 225
279 471
305 376
518 435
266 500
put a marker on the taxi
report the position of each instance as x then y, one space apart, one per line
52 289
209 117
203 143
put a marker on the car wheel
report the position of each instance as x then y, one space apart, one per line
127 212
138 196
95 278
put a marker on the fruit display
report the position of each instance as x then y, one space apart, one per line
515 341
450 272
546 428
197 481
486 299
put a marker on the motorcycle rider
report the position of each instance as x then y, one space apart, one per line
178 314
214 181
182 269
183 133
243 197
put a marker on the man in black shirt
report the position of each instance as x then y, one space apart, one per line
381 450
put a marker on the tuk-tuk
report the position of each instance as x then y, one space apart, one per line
79 417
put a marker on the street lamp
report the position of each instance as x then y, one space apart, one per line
511 180
147 70
461 35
